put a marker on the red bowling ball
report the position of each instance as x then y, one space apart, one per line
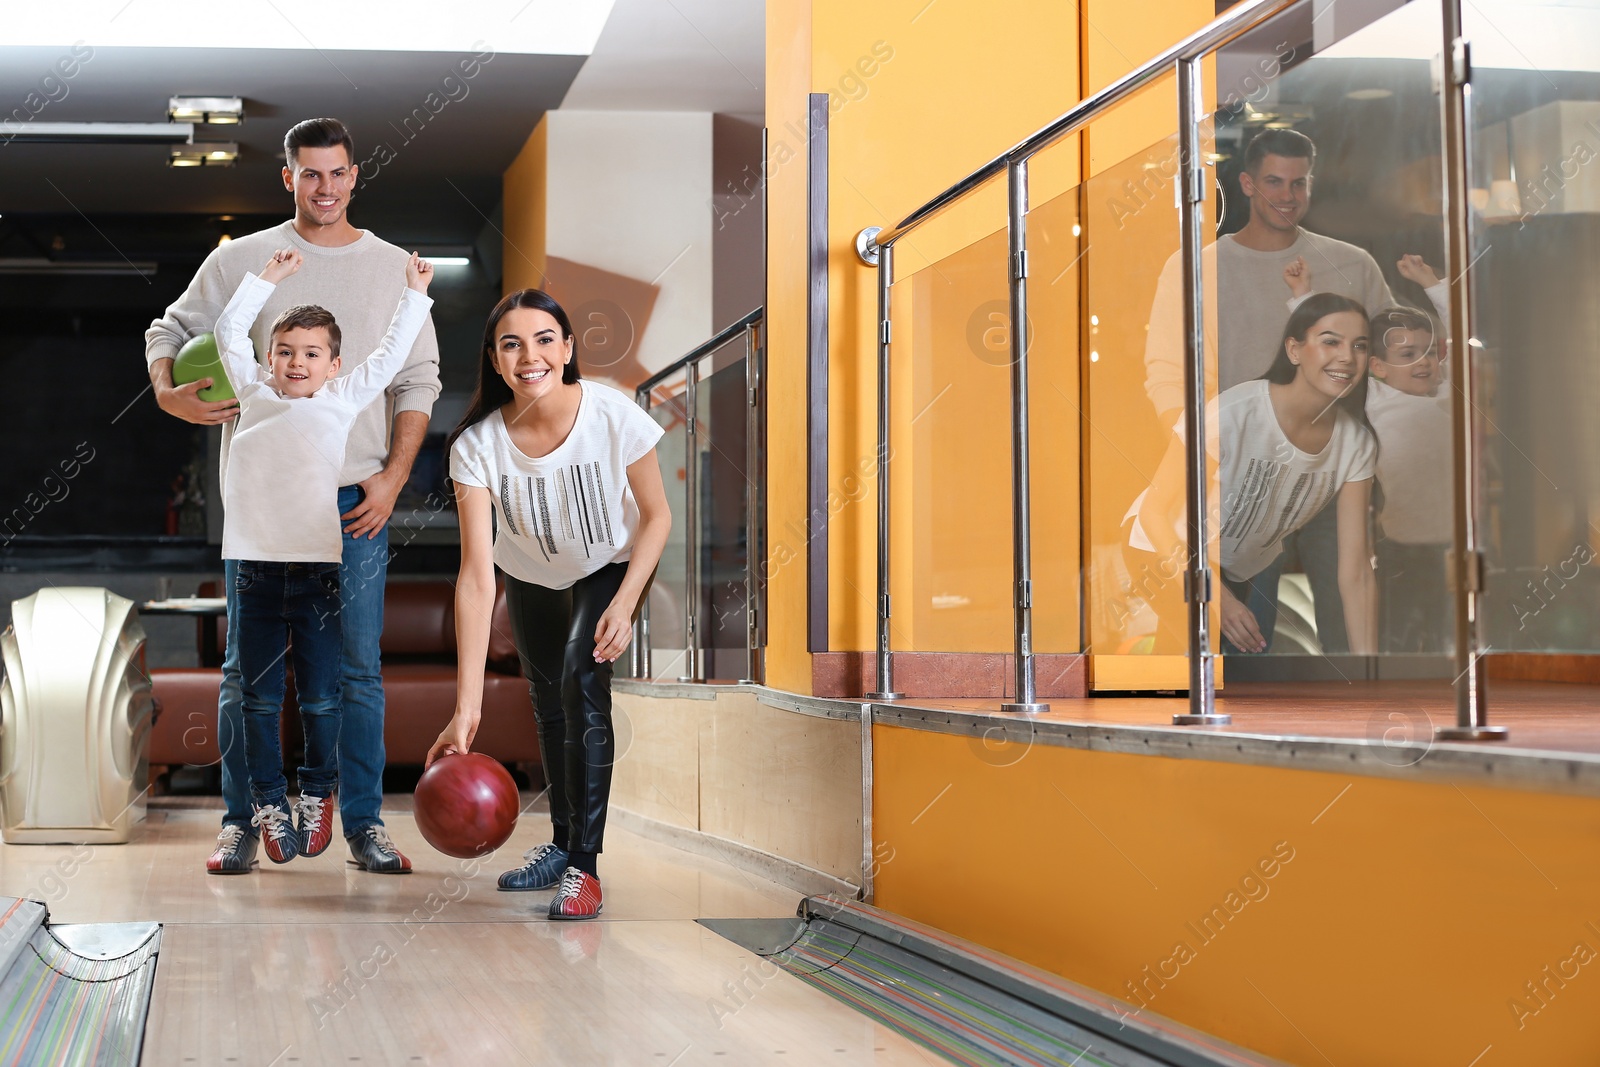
466 805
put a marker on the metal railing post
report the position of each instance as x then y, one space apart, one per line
885 689
1467 564
1021 491
640 660
691 526
1197 575
752 504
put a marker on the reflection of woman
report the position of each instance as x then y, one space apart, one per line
568 468
1290 442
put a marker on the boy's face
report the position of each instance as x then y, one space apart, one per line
1408 360
302 360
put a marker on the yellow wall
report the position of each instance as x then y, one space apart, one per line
788 82
924 93
523 189
1402 930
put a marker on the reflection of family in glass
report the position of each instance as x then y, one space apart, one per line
1326 385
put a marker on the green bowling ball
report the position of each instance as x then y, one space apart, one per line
198 358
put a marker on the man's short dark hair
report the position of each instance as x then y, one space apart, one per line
318 133
1291 144
309 317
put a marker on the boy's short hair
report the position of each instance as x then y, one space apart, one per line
1290 144
309 317
1400 317
318 133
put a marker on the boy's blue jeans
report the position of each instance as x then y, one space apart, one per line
364 570
289 610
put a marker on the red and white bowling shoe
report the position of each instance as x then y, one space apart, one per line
578 897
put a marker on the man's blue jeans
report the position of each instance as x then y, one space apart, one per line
362 574
294 605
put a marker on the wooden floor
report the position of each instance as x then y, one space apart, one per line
317 963
1544 716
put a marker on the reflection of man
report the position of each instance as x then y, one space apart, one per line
353 274
1251 312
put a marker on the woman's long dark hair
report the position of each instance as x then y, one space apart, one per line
1312 310
492 391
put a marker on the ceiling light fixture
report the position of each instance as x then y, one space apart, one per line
104 133
215 154
215 110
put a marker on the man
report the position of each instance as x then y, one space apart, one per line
355 276
1252 308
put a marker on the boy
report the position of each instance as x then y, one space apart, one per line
281 525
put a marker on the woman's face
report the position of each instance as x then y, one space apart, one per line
529 352
1333 355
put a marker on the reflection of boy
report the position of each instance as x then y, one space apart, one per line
1410 413
281 527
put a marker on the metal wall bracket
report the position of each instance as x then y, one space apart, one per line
867 245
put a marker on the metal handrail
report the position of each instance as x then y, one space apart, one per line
748 326
701 350
1207 39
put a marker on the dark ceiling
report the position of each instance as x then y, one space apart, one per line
105 201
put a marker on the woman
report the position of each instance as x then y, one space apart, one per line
568 469
1290 442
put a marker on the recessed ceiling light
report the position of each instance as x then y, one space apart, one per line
1369 94
215 110
203 155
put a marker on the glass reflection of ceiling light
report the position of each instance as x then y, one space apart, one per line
551 27
1369 94
216 110
1094 357
1280 126
203 155
1077 231
1474 342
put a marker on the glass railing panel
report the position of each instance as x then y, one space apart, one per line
1334 489
1057 363
724 493
1132 395
667 592
951 466
1535 142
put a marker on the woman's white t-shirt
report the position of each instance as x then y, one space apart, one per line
565 515
1269 487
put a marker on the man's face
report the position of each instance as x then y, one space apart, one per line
1279 190
302 360
321 180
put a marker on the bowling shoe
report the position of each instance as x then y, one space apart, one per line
236 851
578 897
542 870
372 850
278 838
314 822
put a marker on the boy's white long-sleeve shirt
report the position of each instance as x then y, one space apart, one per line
283 469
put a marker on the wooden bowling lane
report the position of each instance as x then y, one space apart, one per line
160 876
663 992
314 963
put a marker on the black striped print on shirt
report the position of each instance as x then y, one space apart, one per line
568 506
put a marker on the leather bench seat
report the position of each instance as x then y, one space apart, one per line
419 683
